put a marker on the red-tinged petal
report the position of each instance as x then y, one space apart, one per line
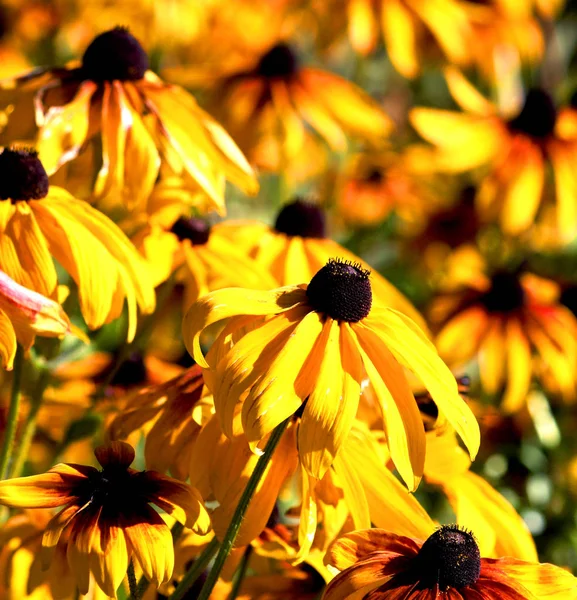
231 302
57 487
151 541
115 454
501 588
54 530
109 556
541 579
65 129
358 545
79 544
178 499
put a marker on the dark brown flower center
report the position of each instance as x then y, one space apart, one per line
300 218
505 295
115 54
374 176
22 176
342 291
195 230
538 115
450 558
568 298
279 61
132 371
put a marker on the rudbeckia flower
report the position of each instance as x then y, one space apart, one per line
113 101
408 28
310 347
39 223
377 564
268 106
502 318
24 314
515 150
108 515
297 247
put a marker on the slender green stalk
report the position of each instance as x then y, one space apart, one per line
10 433
29 429
234 527
240 573
195 571
132 585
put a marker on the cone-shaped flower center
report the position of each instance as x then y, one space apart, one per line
112 487
451 558
374 176
505 295
342 291
538 115
22 176
195 230
279 61
455 225
301 219
115 54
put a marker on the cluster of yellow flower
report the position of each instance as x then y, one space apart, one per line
283 403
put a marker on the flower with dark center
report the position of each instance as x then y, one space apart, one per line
22 176
538 115
505 295
376 564
317 344
374 176
115 54
301 218
195 230
279 61
109 516
341 290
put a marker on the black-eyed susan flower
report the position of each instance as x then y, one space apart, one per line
313 346
297 246
108 515
503 318
24 314
378 565
115 103
39 223
269 106
514 149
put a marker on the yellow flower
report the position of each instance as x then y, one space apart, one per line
109 516
39 223
378 564
318 343
515 149
140 122
502 318
24 314
268 107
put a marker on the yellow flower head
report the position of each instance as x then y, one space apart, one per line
379 564
139 121
309 348
109 516
39 223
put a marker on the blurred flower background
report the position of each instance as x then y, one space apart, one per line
155 153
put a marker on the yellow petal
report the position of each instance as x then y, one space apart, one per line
399 34
308 516
353 492
519 368
465 94
363 27
7 342
492 357
563 161
230 302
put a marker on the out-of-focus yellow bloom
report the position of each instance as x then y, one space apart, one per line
109 516
39 223
515 150
24 314
114 100
502 318
314 345
375 563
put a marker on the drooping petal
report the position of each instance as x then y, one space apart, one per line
519 368
349 481
107 552
7 342
54 530
563 160
399 33
308 516
230 302
467 96
492 357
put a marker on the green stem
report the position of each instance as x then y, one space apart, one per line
195 571
237 518
132 585
10 433
241 572
30 424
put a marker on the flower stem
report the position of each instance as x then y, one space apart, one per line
13 411
195 571
29 430
241 572
234 527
